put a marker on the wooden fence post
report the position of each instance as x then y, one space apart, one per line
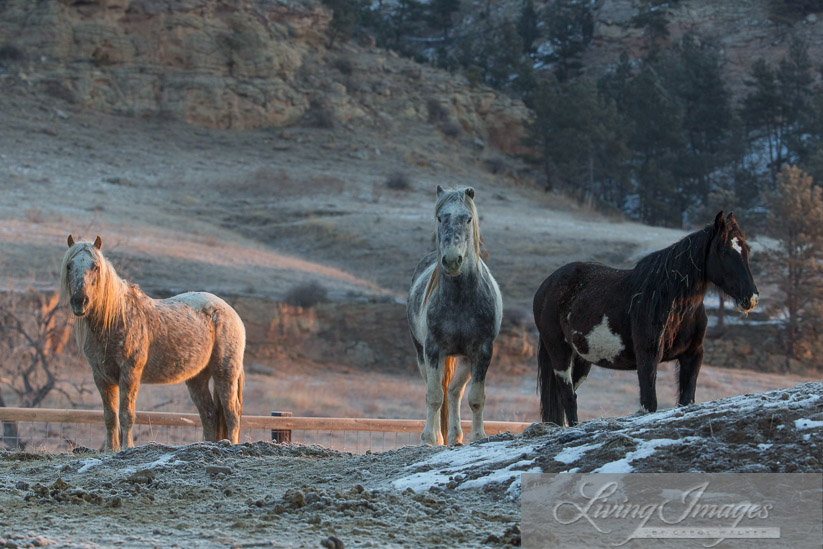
281 435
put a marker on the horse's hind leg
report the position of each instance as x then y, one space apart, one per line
228 391
477 393
580 371
456 387
562 356
201 396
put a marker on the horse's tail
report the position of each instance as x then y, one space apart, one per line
241 380
448 374
551 403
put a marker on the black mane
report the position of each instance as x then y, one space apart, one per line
665 276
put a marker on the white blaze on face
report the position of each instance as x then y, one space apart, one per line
736 246
603 343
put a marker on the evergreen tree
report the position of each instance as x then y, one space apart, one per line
527 27
654 21
796 265
778 104
692 73
439 15
570 27
656 118
580 140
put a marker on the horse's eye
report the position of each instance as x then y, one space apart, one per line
439 220
469 220
96 267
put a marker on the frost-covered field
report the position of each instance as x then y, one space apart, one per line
269 495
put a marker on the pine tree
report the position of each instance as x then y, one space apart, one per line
527 27
570 28
778 105
796 265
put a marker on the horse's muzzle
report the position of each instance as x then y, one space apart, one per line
79 305
453 266
748 303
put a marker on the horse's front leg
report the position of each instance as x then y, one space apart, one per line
689 368
109 392
456 387
129 385
647 377
477 393
435 369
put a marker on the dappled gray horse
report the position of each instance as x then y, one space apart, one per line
129 338
454 311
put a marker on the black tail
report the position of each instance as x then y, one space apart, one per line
551 404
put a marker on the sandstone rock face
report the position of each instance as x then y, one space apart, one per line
231 64
211 62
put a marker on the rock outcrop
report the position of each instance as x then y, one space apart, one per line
231 64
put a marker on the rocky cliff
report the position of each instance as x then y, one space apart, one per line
231 64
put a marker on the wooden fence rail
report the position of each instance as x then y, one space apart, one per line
47 415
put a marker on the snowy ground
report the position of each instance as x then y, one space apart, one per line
269 495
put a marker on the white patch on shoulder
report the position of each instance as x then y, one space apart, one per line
736 246
603 343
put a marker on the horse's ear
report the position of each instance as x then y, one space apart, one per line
719 222
98 242
730 219
440 190
70 240
470 191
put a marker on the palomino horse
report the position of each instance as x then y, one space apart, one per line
588 313
129 338
451 316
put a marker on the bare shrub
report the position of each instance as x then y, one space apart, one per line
34 353
437 112
9 52
398 181
344 65
318 116
451 128
495 165
307 294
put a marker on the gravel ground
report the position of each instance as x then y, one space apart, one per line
263 494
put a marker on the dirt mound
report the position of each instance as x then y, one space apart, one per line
253 494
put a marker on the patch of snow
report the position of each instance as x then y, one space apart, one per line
89 464
804 423
645 449
497 476
513 491
570 455
461 460
762 446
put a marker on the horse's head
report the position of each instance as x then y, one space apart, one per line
728 262
458 236
80 274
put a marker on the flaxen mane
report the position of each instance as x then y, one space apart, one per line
434 281
107 304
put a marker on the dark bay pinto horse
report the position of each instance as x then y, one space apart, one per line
589 313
